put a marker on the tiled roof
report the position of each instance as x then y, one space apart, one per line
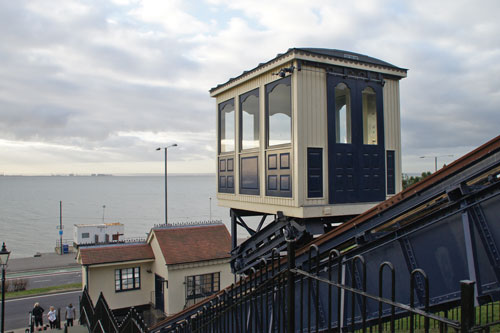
185 244
115 253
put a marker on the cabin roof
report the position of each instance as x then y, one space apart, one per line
186 244
348 55
329 53
115 253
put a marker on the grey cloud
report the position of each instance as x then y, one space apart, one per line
79 82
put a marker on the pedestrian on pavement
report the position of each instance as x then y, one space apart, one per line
38 315
52 316
70 314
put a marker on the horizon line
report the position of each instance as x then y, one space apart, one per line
124 174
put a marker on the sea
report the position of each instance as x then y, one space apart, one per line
30 206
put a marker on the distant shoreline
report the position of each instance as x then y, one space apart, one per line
118 175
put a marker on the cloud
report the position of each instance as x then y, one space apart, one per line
104 82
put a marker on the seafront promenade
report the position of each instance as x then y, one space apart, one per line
53 268
45 262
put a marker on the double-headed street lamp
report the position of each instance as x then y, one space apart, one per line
166 203
4 257
436 160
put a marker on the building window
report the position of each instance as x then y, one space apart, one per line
249 109
226 126
279 112
369 100
85 235
342 114
200 286
127 279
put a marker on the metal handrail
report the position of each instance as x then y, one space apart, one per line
453 323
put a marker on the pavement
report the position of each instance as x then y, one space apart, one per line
75 329
45 262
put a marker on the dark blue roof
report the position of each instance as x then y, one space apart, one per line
347 55
324 52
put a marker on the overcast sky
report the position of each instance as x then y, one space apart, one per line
96 86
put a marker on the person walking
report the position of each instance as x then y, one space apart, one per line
52 316
38 315
70 314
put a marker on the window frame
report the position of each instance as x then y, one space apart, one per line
242 98
366 119
221 107
268 89
119 277
348 125
191 286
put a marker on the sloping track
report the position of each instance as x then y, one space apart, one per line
435 234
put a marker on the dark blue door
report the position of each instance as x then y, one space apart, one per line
356 158
159 298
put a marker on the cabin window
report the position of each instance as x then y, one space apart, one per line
127 279
369 101
200 286
226 126
249 116
279 112
85 235
343 114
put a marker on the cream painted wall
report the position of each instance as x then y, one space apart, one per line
309 127
102 279
159 268
177 276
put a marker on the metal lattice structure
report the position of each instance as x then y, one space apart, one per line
424 244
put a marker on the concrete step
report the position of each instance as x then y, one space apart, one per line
78 329
74 329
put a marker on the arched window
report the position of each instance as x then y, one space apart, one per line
279 112
226 126
343 128
250 120
369 100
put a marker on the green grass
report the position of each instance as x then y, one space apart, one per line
41 291
487 313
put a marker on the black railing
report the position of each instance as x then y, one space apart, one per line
100 319
276 298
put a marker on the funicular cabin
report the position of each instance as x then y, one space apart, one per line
312 134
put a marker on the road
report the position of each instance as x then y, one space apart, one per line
51 279
16 310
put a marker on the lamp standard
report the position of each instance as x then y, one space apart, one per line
436 160
4 257
166 202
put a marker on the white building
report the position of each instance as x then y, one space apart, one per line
97 233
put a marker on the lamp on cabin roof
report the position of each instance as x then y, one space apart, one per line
166 202
4 258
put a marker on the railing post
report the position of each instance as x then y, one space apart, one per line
467 304
291 285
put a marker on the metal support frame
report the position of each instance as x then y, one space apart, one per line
411 262
487 238
444 205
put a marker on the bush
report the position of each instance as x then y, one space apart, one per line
19 284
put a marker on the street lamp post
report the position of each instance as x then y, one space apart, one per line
4 257
166 202
436 160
